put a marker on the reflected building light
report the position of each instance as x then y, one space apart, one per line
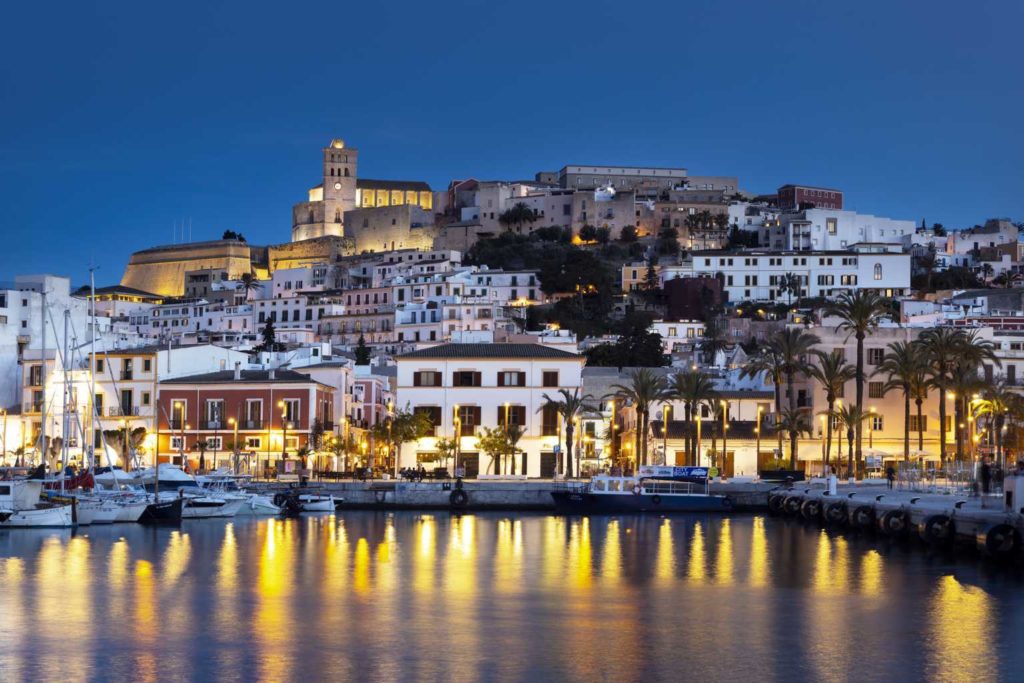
871 574
695 566
758 555
723 555
961 631
665 562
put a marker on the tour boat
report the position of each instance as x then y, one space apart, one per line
607 494
21 498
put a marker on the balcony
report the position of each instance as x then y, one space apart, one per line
127 375
252 424
123 411
212 424
33 408
177 424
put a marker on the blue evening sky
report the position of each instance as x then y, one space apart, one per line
120 118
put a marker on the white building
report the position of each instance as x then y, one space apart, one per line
757 275
830 230
470 386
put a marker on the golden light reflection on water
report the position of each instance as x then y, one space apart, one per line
960 633
508 557
12 614
724 555
871 573
272 618
695 566
580 555
665 561
611 564
361 568
758 576
146 617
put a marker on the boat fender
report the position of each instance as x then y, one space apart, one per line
279 499
937 529
775 504
727 503
864 517
792 505
656 499
636 490
893 522
836 513
811 510
381 496
458 498
999 540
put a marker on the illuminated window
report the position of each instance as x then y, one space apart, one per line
878 271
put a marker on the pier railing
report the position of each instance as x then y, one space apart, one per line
953 478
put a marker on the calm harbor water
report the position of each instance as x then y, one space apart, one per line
431 597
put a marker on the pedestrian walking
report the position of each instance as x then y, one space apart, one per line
890 475
985 477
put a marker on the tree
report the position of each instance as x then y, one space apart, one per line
791 284
668 242
996 403
635 348
852 418
588 233
516 216
694 389
446 447
628 234
126 441
767 363
651 286
494 443
941 347
793 346
794 422
860 311
901 366
269 335
362 351
401 427
832 372
249 282
232 235
603 235
571 406
513 433
645 389
715 340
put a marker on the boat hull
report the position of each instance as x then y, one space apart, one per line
591 503
163 512
259 505
317 503
59 516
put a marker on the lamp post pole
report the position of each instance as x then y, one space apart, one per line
725 436
757 433
664 434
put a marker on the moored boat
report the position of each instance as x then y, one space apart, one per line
607 494
163 512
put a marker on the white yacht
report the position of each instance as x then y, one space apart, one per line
223 482
199 503
20 506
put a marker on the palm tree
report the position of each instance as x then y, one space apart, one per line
767 363
645 389
714 340
832 372
513 433
794 422
996 402
853 419
860 312
570 406
249 282
919 391
901 366
965 382
693 389
794 345
790 283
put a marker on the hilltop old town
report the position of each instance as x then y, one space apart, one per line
594 318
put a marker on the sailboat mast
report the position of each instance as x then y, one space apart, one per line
92 364
42 377
65 423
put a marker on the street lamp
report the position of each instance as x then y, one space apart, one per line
757 432
725 434
284 430
664 433
234 441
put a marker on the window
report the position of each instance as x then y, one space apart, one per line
426 378
511 379
549 421
876 389
469 419
433 414
291 409
878 271
215 443
877 423
177 443
99 365
465 378
127 407
831 225
919 424
147 365
550 378
511 415
841 393
949 423
253 443
35 375
215 414
146 398
875 356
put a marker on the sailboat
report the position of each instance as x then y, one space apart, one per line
20 506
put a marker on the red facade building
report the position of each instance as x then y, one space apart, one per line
272 412
800 196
